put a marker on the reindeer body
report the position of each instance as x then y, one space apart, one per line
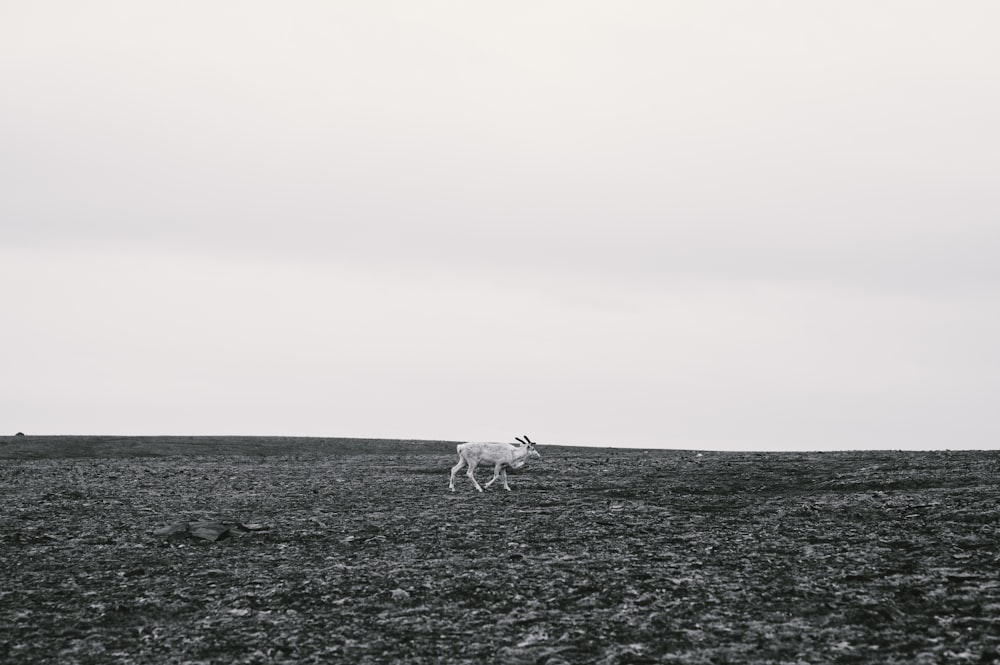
500 455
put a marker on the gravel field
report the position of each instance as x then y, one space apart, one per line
355 551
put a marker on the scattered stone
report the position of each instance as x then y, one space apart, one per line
646 599
172 529
532 638
210 531
517 656
253 526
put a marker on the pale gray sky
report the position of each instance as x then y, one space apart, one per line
713 224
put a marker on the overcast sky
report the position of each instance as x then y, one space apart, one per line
765 225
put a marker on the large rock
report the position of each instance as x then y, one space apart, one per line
210 531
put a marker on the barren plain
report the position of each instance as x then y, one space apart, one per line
335 550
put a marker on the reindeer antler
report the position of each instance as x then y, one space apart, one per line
517 438
528 440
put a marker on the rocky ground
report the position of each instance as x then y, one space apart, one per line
337 554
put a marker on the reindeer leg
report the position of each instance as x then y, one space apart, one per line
454 470
503 475
496 473
472 474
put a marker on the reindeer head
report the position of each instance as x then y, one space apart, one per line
531 446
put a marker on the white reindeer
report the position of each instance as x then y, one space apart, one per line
500 455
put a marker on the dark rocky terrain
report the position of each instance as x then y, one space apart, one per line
318 551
